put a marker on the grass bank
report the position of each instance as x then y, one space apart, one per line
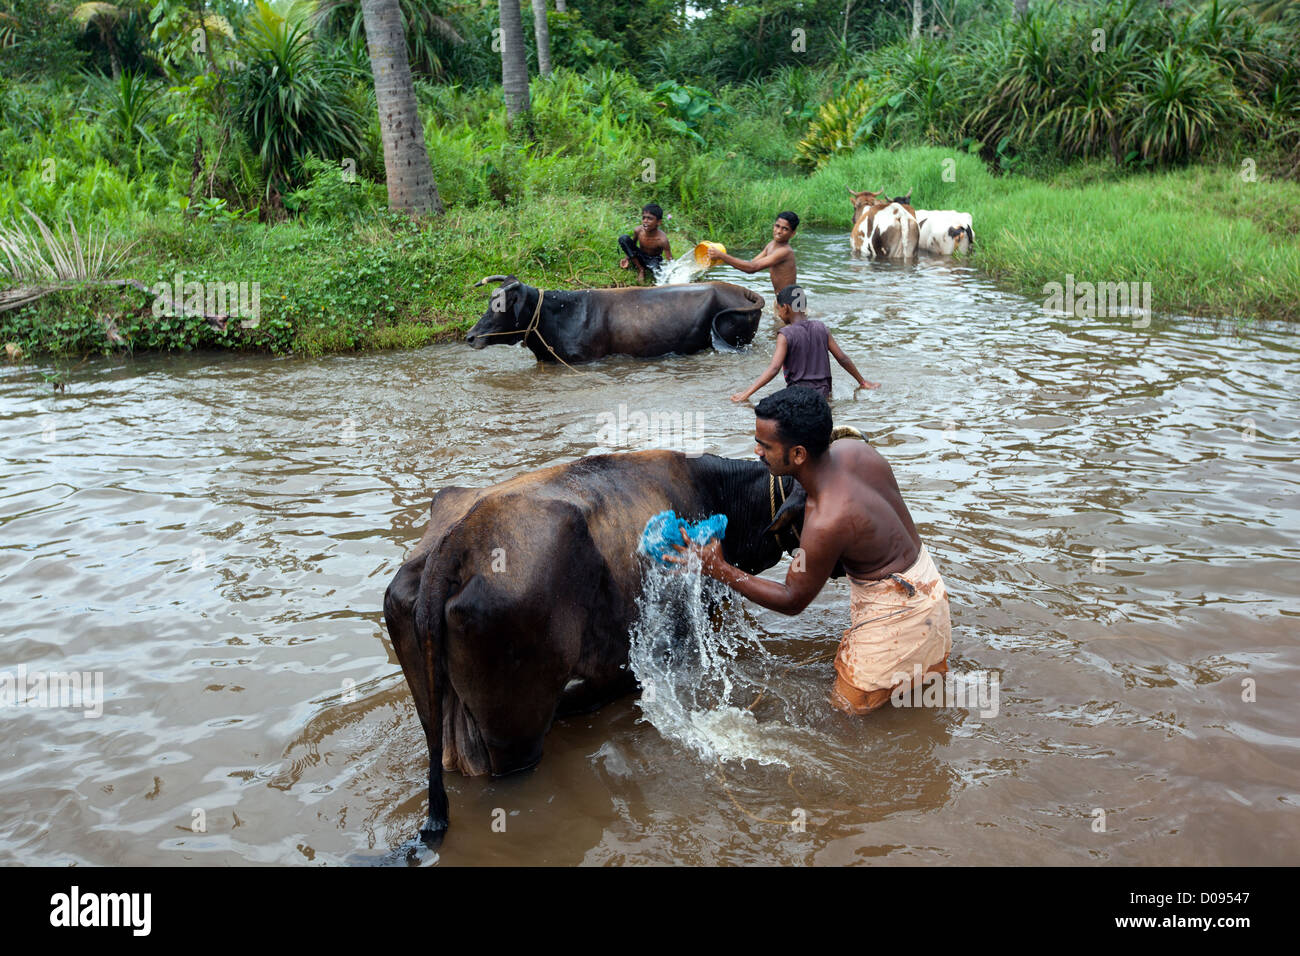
1209 243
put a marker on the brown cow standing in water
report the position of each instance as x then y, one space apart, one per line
518 601
896 239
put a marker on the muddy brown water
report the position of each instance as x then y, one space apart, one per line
1115 512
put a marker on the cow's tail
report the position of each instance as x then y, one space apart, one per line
431 637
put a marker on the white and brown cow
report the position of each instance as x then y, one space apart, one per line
945 231
885 229
894 233
865 205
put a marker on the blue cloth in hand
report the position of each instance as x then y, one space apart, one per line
663 533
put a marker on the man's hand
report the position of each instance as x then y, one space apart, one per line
740 397
711 560
865 384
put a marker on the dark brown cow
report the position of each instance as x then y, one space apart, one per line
518 602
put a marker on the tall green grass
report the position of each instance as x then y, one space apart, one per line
1208 241
1130 79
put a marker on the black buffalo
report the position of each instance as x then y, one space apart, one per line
590 324
518 601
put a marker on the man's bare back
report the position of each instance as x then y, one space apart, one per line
861 511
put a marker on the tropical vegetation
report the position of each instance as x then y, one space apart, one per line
244 140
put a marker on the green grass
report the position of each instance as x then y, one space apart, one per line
381 283
1209 244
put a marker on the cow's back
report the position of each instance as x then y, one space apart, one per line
610 497
658 320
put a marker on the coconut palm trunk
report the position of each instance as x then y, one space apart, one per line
918 16
543 33
411 188
514 63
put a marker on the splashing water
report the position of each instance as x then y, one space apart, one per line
682 269
702 672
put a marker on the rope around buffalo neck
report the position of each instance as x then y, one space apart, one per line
771 494
841 431
534 329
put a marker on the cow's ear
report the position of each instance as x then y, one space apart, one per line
514 302
790 512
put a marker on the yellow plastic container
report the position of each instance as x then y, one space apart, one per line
706 253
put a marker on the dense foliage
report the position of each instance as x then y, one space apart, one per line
180 123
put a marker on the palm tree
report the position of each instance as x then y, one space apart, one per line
104 17
543 33
406 161
514 64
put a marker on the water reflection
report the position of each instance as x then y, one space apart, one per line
1114 512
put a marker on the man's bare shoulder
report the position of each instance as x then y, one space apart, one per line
860 458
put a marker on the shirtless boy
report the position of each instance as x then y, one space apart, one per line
647 247
776 255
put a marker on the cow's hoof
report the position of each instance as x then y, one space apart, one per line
433 831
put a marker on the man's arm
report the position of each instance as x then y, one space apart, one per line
778 359
765 260
847 364
808 572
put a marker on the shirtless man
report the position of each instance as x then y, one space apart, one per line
776 255
853 514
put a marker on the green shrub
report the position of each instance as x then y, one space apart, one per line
290 101
836 127
334 192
